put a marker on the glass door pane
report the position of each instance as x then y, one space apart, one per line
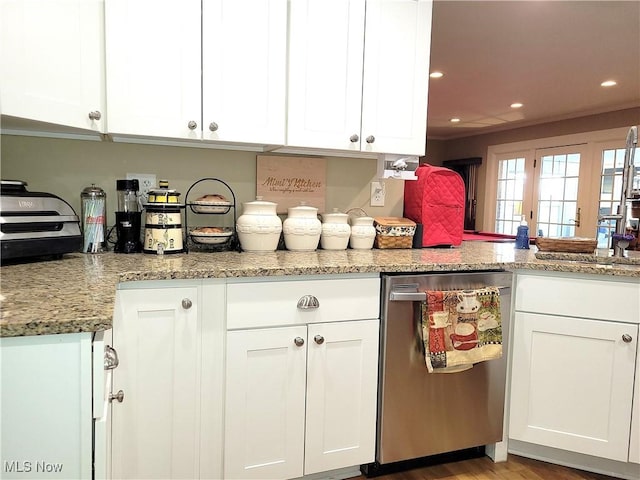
557 188
611 190
510 194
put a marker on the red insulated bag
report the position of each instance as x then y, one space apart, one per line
436 200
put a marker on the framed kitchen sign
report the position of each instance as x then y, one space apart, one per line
288 181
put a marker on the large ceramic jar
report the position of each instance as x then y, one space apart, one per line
335 231
302 228
363 233
259 226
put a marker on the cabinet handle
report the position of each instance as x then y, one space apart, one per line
110 358
213 126
319 339
299 341
186 303
354 138
95 115
118 396
626 338
370 139
192 125
308 302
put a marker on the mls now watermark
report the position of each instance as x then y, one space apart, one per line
27 466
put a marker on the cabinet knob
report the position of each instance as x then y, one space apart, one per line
95 115
110 358
213 126
354 138
299 341
308 302
118 396
370 139
192 125
626 338
186 303
319 339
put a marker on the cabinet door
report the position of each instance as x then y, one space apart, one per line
396 76
153 67
244 70
572 384
634 445
45 387
265 395
155 429
326 39
341 395
52 67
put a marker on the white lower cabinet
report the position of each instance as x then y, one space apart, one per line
46 406
342 385
301 377
574 362
574 384
169 341
301 398
634 445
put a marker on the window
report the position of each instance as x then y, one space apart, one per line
560 184
511 178
611 190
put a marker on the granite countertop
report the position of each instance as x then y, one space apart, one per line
77 292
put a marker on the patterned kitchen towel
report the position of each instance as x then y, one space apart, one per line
460 328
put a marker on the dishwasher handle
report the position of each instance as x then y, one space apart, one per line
410 293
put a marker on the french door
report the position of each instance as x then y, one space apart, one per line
549 187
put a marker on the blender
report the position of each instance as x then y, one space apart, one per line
128 217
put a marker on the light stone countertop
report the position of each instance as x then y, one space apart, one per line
77 293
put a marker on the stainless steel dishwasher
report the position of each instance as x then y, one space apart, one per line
423 414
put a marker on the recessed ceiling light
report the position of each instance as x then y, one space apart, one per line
516 105
608 83
454 120
436 74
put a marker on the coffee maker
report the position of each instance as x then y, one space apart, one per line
128 217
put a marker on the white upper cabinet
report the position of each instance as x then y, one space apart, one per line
244 70
52 67
185 70
396 76
153 68
326 41
357 88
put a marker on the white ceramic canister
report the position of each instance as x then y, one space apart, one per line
335 230
363 233
302 228
259 226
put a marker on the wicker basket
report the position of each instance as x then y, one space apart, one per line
382 241
566 244
394 232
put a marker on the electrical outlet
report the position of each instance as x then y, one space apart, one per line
147 181
377 194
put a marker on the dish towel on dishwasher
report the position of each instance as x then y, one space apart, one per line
460 328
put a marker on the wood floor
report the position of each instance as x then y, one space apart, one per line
515 468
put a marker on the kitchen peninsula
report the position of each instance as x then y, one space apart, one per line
185 327
77 293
